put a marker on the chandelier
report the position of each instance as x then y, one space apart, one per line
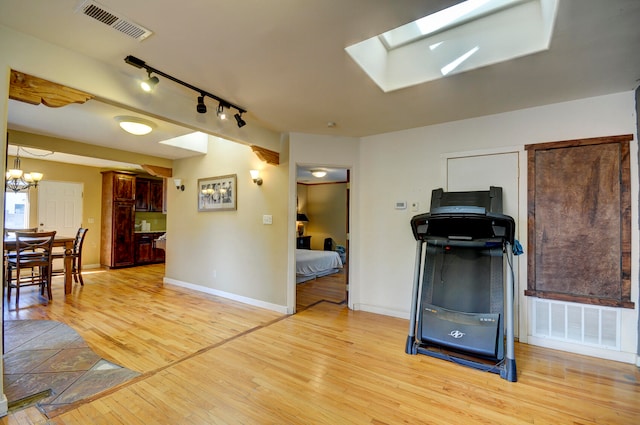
17 180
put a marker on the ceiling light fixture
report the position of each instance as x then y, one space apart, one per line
135 126
19 181
150 83
239 120
139 63
318 173
220 112
201 107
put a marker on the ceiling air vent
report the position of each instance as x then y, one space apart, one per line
121 23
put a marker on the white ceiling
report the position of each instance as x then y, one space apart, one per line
284 61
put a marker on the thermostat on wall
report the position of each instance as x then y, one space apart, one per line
401 205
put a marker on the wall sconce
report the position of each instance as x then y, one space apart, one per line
179 185
255 175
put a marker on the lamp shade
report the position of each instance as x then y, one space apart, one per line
302 217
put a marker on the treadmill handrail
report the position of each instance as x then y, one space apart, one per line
463 225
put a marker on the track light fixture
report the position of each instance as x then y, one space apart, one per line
149 84
239 120
220 112
201 107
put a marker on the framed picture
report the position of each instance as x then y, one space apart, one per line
218 193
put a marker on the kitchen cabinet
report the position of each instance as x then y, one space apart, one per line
149 194
145 253
118 219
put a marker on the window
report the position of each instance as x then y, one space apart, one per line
16 210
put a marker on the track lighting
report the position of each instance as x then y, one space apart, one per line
151 82
220 112
239 120
201 107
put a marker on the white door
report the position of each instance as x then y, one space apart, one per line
479 171
60 207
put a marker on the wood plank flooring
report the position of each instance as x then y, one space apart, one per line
206 360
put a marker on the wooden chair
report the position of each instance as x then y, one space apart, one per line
33 251
76 257
11 233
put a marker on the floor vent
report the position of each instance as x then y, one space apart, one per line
100 13
594 326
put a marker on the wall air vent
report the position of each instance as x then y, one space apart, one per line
121 23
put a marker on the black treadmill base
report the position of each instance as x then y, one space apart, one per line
505 368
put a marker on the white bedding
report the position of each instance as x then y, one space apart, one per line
312 263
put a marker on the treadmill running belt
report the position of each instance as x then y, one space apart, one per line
475 333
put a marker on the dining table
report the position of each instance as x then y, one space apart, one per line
65 242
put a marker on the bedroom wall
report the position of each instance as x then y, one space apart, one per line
301 198
411 161
327 212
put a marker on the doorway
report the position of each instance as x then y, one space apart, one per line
322 194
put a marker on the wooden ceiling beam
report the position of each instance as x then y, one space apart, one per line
266 155
34 90
157 171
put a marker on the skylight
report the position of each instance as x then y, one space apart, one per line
443 20
468 35
196 142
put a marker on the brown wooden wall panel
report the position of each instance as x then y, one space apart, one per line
579 221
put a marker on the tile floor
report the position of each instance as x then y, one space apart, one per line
49 358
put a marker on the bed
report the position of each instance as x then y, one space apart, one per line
311 264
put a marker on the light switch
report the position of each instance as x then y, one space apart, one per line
267 219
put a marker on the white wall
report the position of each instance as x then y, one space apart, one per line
406 165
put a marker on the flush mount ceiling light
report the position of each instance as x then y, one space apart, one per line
201 108
135 126
318 173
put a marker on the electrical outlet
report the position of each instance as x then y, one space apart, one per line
267 219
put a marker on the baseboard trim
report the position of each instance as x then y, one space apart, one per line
381 310
235 297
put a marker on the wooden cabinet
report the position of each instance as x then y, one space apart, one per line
118 218
145 253
149 195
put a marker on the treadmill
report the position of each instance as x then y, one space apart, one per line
463 288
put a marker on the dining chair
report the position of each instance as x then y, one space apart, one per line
11 233
33 252
76 257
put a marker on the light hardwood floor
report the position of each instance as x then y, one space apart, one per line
207 360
